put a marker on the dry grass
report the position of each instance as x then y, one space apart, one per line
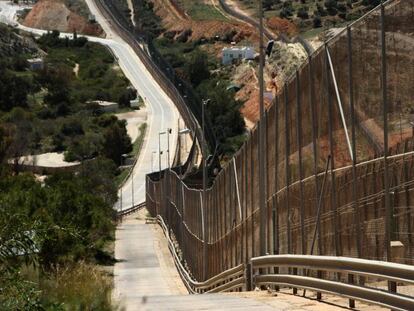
80 286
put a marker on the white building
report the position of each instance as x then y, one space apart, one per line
234 52
35 63
107 106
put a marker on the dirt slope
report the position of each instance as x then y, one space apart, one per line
176 20
55 15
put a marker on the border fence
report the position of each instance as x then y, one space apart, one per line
339 161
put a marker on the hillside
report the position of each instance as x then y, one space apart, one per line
185 25
62 15
310 16
11 44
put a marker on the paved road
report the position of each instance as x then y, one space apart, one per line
162 113
144 268
145 277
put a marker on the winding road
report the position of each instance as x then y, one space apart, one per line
162 113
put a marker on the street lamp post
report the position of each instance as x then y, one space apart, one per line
132 185
159 152
152 160
121 186
204 212
169 131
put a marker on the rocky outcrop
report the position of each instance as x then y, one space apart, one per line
12 44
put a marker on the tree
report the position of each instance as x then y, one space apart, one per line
5 142
303 13
371 3
267 4
57 79
320 10
13 90
116 142
331 7
317 21
223 112
197 68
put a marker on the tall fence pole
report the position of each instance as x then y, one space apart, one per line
388 211
314 138
203 197
334 207
357 219
299 141
246 198
262 126
287 167
275 202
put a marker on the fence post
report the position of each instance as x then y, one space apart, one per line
249 277
252 174
274 215
388 211
299 141
314 140
287 167
407 196
261 149
246 193
334 208
357 218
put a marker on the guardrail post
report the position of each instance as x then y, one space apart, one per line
295 272
351 281
392 286
319 294
249 277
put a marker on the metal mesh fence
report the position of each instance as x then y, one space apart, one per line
325 150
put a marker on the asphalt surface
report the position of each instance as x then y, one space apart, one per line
162 113
145 277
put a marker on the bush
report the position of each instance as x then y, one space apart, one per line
331 7
197 68
303 13
13 90
72 127
320 10
79 286
317 21
116 135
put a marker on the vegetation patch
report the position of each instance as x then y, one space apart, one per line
200 10
54 109
309 14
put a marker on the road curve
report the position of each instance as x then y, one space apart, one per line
162 113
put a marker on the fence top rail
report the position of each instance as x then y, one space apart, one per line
381 269
131 209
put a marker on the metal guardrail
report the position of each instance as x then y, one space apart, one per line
131 210
232 279
387 271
